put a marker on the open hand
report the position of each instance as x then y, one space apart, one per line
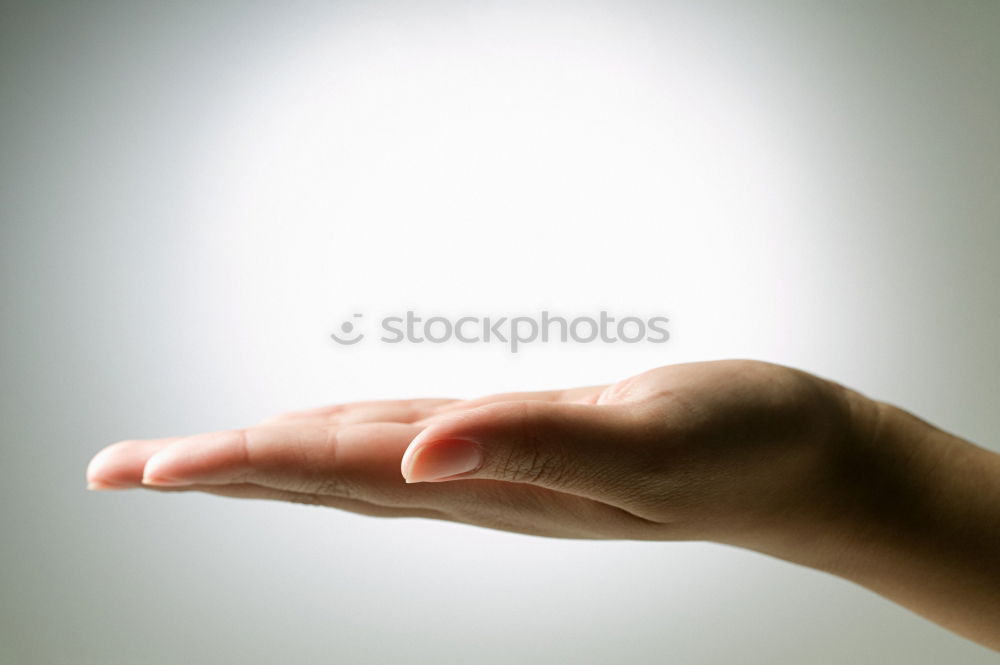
716 450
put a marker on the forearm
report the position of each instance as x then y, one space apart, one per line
934 546
914 515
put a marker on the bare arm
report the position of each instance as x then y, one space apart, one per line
739 452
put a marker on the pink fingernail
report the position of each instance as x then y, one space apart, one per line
443 460
100 485
159 481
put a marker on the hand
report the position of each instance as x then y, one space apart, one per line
739 452
727 451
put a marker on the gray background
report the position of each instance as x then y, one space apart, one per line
192 195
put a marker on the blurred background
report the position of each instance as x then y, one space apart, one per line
194 195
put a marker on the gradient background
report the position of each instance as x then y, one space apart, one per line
195 194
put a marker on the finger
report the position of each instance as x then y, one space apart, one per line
251 491
363 476
362 463
421 410
383 413
120 465
537 513
583 395
357 461
576 448
404 411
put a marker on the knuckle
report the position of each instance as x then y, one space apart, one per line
239 439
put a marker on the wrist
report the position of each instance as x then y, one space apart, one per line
831 493
912 513
862 489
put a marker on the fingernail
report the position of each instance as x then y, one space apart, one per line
442 460
160 481
152 474
99 485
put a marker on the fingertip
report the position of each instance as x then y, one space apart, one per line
102 485
435 461
157 471
120 465
157 480
406 463
213 458
110 468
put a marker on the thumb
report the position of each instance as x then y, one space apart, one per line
579 448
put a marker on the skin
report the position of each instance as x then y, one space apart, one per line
738 452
